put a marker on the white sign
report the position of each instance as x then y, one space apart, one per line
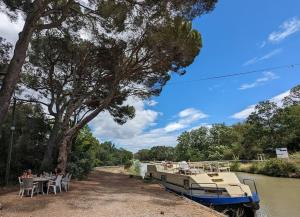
282 153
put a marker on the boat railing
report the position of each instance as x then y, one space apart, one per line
199 186
251 181
206 166
212 166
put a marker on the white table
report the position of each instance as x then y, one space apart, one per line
41 181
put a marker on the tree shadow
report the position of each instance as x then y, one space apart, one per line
26 205
101 186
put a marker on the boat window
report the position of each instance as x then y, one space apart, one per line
186 184
163 178
217 180
212 174
214 191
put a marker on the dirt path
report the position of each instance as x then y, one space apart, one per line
105 193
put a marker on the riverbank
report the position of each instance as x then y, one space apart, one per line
273 167
107 192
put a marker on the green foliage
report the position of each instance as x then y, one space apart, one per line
87 152
75 75
256 168
235 166
206 143
83 156
135 168
114 14
293 98
30 137
267 128
273 167
158 153
183 147
128 164
143 155
32 130
295 157
109 155
5 48
278 167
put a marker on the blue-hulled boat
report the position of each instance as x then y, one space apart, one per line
218 187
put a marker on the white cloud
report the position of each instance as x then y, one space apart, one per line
104 126
133 135
251 61
137 133
286 29
174 126
244 113
268 76
269 55
151 103
186 117
201 125
9 30
247 111
278 99
264 57
263 44
147 140
190 112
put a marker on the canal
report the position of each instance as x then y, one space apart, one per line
280 197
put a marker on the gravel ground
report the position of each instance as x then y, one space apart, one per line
108 193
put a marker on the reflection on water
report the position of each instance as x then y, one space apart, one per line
280 197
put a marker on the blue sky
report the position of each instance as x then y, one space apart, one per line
238 36
233 34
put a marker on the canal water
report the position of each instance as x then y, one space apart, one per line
280 197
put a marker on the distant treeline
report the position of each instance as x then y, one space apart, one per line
270 126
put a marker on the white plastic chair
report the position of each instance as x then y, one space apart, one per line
184 166
21 187
55 184
66 181
28 186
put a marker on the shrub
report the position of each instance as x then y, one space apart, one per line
278 167
257 167
128 164
235 166
135 168
80 168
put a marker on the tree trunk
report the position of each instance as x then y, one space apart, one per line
66 143
14 68
72 132
54 139
63 150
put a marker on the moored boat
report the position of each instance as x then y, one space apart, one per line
218 187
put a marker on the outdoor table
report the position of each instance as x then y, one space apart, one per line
41 181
